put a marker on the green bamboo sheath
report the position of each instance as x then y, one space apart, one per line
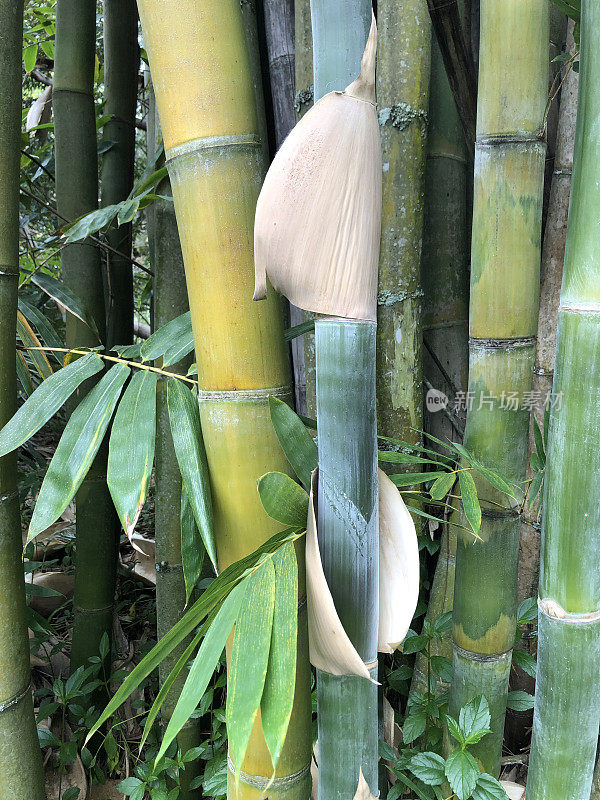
567 709
348 539
403 69
304 353
509 169
97 524
211 122
21 775
444 264
170 300
121 62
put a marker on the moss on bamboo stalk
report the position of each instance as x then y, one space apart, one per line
207 105
21 776
567 706
76 194
509 165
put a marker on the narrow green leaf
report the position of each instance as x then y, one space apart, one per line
184 417
204 665
131 449
249 660
299 330
278 696
539 440
393 457
442 486
192 546
127 210
207 602
296 442
172 341
535 487
470 501
462 773
46 400
283 499
414 478
30 340
49 336
90 223
63 295
24 376
77 449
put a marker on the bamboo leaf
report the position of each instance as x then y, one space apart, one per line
24 374
204 665
30 57
442 486
90 223
249 660
46 400
283 499
192 546
536 487
296 442
299 330
184 417
30 340
414 478
131 449
278 696
470 501
172 341
208 601
539 440
393 457
77 449
62 294
46 331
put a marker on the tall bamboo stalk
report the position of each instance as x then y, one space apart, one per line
206 101
170 300
21 776
346 414
121 63
76 194
567 707
444 264
402 96
509 169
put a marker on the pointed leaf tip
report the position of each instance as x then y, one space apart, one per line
363 88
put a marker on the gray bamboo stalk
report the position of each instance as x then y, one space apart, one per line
403 70
97 526
21 776
170 301
121 64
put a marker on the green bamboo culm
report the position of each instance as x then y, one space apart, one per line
509 168
97 526
121 62
348 500
403 68
567 704
170 301
445 280
21 776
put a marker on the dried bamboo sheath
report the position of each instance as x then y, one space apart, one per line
509 168
21 776
207 105
567 709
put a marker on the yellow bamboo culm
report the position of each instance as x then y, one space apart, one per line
202 77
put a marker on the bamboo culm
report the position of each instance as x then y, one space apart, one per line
444 265
121 63
508 184
207 101
97 525
567 704
21 775
170 300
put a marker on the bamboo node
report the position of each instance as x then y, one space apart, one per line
211 142
15 699
262 782
551 608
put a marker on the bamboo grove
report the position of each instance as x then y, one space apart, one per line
299 411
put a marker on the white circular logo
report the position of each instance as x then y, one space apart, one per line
435 400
